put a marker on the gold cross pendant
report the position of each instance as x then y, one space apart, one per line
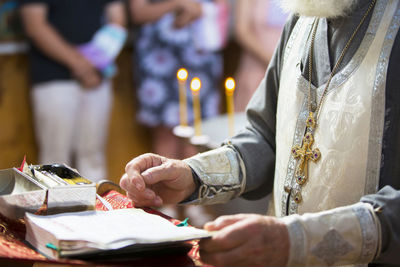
305 152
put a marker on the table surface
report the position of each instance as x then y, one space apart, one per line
15 252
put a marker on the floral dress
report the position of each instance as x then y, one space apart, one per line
160 50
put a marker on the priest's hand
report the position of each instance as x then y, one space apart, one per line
246 240
153 180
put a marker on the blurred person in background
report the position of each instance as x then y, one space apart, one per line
257 28
168 37
165 41
72 94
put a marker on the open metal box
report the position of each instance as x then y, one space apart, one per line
20 193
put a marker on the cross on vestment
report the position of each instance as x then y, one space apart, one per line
305 152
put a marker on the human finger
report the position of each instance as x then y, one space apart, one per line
182 19
145 202
143 162
224 221
258 250
135 167
127 184
227 238
167 171
124 182
194 8
147 197
91 80
256 241
247 254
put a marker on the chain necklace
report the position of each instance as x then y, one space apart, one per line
305 152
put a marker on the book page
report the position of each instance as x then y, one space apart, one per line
114 229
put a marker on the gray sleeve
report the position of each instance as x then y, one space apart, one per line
340 236
383 242
387 207
256 143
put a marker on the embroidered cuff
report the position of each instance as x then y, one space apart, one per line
345 235
221 173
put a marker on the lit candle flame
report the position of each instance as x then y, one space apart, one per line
195 84
182 74
229 89
229 85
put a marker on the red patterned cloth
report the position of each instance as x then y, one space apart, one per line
13 246
11 241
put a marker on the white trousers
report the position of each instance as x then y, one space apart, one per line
72 123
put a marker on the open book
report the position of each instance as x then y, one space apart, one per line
105 233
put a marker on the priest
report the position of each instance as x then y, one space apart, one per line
323 136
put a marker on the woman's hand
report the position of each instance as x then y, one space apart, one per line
187 12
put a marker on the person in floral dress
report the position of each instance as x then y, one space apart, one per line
164 42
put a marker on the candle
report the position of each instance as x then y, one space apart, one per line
229 89
182 75
195 86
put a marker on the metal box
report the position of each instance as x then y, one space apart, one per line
20 193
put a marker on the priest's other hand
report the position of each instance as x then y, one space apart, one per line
246 240
153 180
